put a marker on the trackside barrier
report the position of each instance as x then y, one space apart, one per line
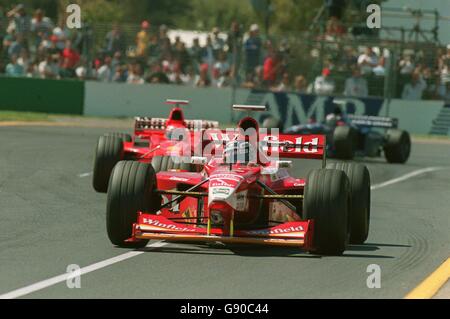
418 117
129 100
37 95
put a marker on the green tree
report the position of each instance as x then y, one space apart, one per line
49 6
97 11
206 14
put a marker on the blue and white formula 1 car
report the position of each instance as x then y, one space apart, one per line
356 135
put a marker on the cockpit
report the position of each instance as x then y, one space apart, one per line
176 134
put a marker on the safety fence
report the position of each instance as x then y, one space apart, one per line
126 100
227 59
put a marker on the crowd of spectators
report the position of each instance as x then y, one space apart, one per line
32 45
420 73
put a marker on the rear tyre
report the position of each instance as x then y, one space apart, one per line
109 151
344 142
326 201
398 146
125 137
359 213
166 163
131 189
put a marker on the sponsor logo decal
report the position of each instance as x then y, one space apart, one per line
158 224
178 179
276 231
221 191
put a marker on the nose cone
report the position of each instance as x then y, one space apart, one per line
222 188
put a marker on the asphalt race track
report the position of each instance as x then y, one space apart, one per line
51 218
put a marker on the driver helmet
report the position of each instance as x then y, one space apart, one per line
176 133
331 120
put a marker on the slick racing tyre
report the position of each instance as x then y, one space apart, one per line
131 189
125 137
327 202
398 146
359 213
344 138
167 163
108 152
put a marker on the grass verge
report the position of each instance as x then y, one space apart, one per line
10 116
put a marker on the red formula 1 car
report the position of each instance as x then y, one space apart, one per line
242 194
155 140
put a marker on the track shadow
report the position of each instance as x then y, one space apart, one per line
232 251
252 252
218 249
366 256
388 245
363 248
366 247
259 251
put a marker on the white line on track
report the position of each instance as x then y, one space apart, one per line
406 177
108 262
85 270
85 175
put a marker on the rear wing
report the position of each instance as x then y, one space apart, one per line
248 108
276 145
147 123
373 121
296 146
177 103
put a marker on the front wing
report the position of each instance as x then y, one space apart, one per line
297 234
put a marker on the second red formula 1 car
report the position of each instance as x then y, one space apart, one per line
155 140
243 194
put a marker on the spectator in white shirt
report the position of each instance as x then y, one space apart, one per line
367 61
134 74
48 69
356 85
40 24
61 33
414 90
104 73
24 59
407 66
323 85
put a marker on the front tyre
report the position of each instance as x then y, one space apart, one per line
109 151
131 189
327 202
